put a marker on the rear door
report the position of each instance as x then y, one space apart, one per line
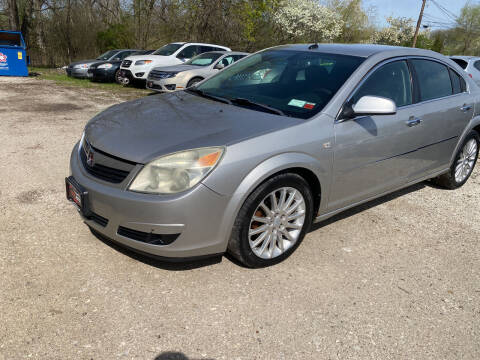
372 154
444 108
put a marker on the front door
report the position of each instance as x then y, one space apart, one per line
373 154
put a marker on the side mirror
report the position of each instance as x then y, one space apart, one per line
374 105
116 59
219 66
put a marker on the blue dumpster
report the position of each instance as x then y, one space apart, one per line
13 57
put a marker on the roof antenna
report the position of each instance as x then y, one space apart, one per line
313 46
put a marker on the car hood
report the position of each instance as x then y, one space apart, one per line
154 58
89 61
178 68
144 129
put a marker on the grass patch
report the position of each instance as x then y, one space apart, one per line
60 77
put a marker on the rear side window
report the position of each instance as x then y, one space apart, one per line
477 65
462 63
433 79
391 81
458 83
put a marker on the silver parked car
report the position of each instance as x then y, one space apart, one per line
180 77
471 65
231 165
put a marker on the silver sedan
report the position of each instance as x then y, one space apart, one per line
246 161
183 76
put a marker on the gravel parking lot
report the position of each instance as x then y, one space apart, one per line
398 278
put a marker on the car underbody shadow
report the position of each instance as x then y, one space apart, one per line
178 265
370 204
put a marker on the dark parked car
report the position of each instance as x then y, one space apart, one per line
108 71
79 69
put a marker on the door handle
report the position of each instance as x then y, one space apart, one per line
466 108
413 121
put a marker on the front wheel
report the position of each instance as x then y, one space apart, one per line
193 82
272 222
463 165
118 77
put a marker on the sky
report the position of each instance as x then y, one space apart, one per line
411 8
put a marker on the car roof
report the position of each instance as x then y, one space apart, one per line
360 50
226 52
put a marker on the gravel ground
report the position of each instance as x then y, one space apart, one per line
398 278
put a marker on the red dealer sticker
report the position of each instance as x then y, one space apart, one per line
309 106
3 57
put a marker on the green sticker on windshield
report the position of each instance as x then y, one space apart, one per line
297 103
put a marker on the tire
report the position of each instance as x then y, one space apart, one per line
194 81
116 77
242 244
468 153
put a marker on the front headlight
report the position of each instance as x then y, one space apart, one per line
143 62
105 66
176 172
81 66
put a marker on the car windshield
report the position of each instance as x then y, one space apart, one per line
204 59
167 50
107 55
295 83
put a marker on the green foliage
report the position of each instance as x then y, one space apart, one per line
114 37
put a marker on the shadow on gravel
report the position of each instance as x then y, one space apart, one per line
173 355
156 262
358 209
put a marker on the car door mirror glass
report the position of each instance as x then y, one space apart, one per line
219 66
374 105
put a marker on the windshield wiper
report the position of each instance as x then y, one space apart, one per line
243 101
209 96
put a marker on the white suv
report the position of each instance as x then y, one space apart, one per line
137 67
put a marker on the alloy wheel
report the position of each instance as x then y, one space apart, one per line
277 222
466 161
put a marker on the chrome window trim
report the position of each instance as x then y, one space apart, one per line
402 58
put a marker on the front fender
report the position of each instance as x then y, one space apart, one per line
266 169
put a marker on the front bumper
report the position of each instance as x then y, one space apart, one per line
102 74
137 72
78 73
198 230
165 85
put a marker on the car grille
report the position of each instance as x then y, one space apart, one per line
148 238
158 75
126 63
100 171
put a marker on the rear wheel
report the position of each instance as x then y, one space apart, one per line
272 222
194 81
463 165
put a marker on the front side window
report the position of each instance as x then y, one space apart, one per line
228 60
189 52
433 79
391 81
204 59
167 50
271 78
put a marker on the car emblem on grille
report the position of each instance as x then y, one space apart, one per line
90 153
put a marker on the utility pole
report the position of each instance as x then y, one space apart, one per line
419 22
